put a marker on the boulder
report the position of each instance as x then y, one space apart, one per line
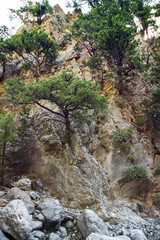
37 185
38 234
97 236
63 231
40 217
16 193
88 222
34 195
30 237
15 220
54 236
69 225
23 184
52 210
37 225
137 234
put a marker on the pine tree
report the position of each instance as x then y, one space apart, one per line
76 99
37 9
36 48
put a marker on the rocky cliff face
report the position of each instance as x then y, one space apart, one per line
92 173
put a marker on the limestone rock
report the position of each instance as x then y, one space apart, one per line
52 210
37 185
23 184
38 234
15 220
16 193
137 234
69 225
2 193
37 225
34 195
63 231
88 222
97 236
40 217
54 236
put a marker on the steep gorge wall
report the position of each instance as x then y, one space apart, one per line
92 173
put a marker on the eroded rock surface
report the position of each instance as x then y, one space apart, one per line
52 210
89 222
15 220
16 193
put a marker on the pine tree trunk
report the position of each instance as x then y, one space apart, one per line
37 73
4 69
39 20
2 164
68 130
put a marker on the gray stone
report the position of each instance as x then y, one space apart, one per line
54 236
1 193
16 193
88 222
69 224
63 231
31 238
40 217
37 185
34 195
37 225
24 184
38 234
16 214
137 234
52 210
125 231
96 236
2 236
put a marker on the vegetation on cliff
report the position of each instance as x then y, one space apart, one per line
76 99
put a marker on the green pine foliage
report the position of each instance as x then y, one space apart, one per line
155 70
109 31
123 137
5 56
77 99
24 123
38 9
136 172
7 135
35 47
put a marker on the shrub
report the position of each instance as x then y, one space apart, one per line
123 137
136 172
131 157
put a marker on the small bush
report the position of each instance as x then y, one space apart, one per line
26 66
131 157
123 137
136 172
